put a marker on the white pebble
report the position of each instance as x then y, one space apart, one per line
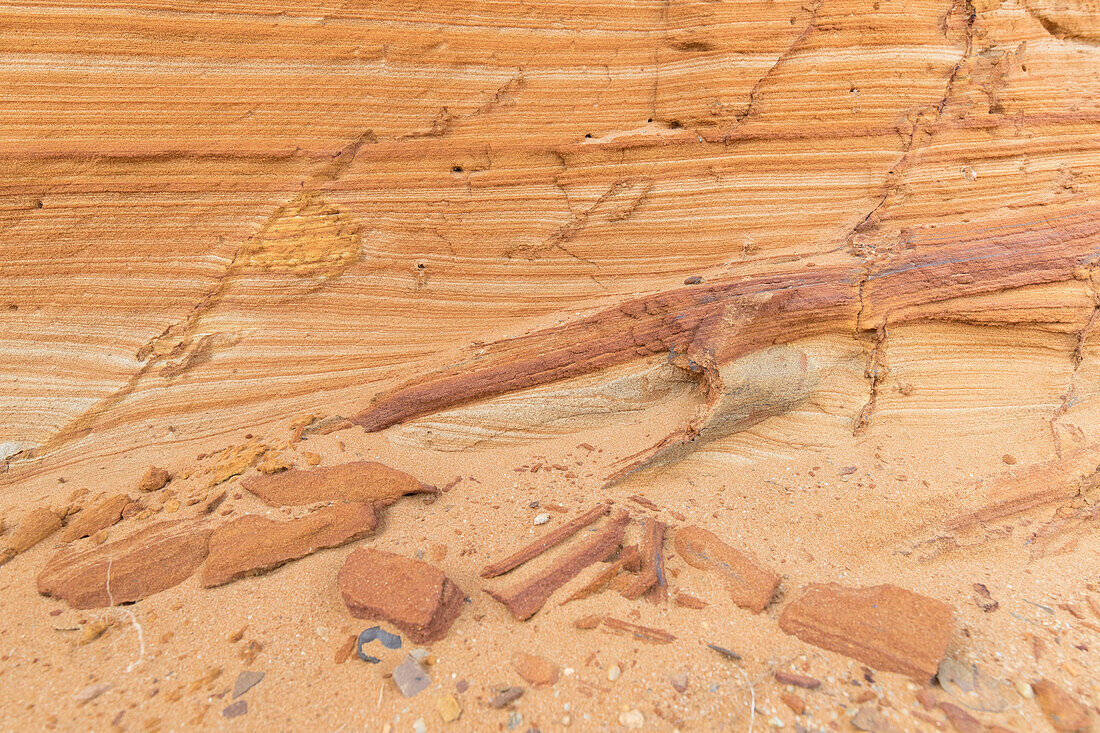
420 726
632 719
614 672
542 518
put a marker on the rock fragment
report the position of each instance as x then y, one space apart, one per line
235 709
246 680
358 481
91 692
449 708
506 697
1065 713
887 627
253 544
651 572
797 680
412 595
153 479
410 677
151 560
39 524
535 670
524 601
751 585
99 516
545 542
971 686
963 721
645 633
872 721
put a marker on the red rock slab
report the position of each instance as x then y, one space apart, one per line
416 597
151 560
252 544
100 515
750 584
359 481
889 628
1066 714
39 524
526 599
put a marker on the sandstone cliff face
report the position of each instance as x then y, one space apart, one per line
817 279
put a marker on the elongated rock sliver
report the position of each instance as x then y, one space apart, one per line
39 524
886 627
750 584
358 481
970 260
99 516
598 583
544 543
651 573
153 559
252 544
645 633
528 598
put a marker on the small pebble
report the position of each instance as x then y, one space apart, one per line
234 709
91 692
514 719
506 697
419 726
679 682
449 708
614 672
632 719
246 680
542 518
410 677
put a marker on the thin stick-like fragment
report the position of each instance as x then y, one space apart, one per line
649 551
645 633
528 598
544 543
597 583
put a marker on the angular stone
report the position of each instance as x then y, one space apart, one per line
154 478
1065 713
359 481
39 524
887 627
410 677
253 544
100 515
246 680
962 721
449 708
151 560
751 585
412 595
534 669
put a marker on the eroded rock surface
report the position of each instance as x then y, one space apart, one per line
751 585
99 515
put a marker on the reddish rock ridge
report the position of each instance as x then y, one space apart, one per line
358 481
252 544
414 596
889 628
750 585
151 560
766 309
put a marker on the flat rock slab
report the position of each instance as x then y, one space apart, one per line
751 585
246 680
151 560
359 481
414 596
253 544
889 628
410 677
39 524
100 515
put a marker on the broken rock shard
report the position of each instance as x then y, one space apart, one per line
410 594
750 584
889 628
150 560
359 481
